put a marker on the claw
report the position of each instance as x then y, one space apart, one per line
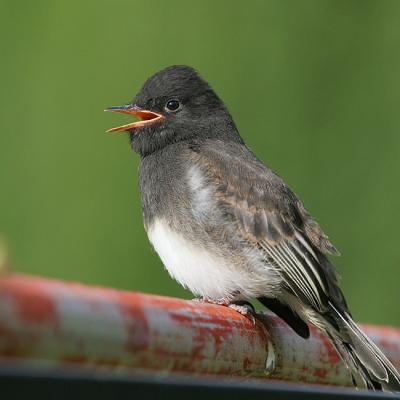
242 307
245 311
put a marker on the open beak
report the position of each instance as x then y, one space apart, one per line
147 117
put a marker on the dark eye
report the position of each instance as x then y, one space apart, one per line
172 105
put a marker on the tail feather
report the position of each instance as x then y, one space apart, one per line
357 371
364 359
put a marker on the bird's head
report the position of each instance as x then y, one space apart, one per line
174 104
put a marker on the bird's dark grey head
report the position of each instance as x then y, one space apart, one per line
175 104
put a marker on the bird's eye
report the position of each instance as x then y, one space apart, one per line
172 105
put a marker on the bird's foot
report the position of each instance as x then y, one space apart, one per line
242 307
209 300
246 309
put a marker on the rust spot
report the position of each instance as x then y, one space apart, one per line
213 323
33 304
320 373
328 352
74 358
14 345
247 363
131 307
107 362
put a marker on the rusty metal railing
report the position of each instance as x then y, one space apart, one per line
54 323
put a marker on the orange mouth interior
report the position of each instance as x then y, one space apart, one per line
146 117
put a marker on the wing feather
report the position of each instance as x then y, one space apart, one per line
271 218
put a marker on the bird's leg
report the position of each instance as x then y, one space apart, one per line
245 308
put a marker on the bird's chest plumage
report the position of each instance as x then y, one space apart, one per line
197 268
162 185
176 204
184 225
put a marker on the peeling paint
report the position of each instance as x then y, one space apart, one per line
70 323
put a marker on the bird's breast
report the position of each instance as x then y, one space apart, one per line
201 270
188 228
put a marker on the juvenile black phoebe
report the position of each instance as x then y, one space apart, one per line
228 228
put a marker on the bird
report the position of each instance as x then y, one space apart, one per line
228 228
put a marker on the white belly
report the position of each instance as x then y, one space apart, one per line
203 272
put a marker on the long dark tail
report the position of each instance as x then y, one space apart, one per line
363 358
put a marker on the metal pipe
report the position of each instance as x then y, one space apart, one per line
60 323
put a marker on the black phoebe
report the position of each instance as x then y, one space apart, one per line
228 228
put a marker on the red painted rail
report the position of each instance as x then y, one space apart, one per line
56 323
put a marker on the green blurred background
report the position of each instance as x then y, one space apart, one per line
314 87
